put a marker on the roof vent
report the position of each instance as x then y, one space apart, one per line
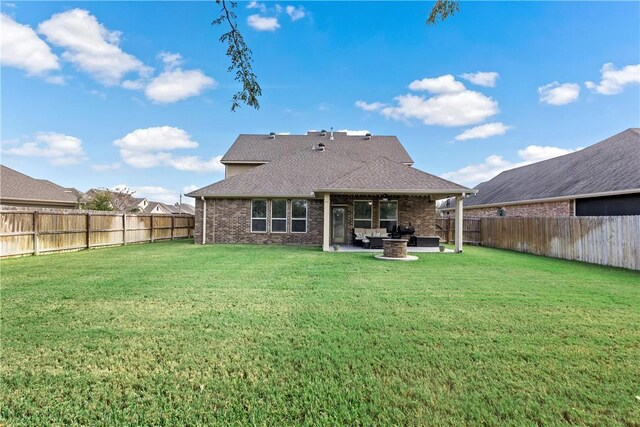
323 132
321 146
331 138
367 136
272 135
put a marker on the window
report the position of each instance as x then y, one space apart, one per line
258 216
298 216
388 215
362 214
279 216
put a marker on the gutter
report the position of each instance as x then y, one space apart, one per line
204 219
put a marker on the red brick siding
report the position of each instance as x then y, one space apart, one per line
557 208
229 220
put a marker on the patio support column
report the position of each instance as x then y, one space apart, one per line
326 218
459 227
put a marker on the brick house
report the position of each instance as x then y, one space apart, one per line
602 179
314 189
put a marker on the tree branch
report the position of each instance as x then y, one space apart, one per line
442 9
241 59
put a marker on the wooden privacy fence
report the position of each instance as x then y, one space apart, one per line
23 233
606 240
446 227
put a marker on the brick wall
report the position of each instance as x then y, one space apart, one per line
229 220
557 208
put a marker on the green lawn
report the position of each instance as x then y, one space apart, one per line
180 334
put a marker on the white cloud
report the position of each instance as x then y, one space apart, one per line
483 131
20 47
295 13
482 78
472 175
56 80
263 23
189 188
255 5
150 192
457 109
150 147
90 46
60 149
451 105
613 80
105 167
170 60
373 106
351 132
442 84
559 94
176 85
537 153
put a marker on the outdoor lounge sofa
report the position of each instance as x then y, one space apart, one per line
360 235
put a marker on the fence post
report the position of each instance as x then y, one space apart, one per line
448 228
88 227
124 229
173 223
151 233
36 237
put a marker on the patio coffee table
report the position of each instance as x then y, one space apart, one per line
375 242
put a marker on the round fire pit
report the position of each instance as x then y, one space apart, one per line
395 250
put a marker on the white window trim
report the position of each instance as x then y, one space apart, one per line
306 217
370 202
387 219
266 222
286 211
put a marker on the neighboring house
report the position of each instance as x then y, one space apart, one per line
603 179
138 204
18 189
157 208
315 188
183 209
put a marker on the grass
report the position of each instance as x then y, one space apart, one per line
180 334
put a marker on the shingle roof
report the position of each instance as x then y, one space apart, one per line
610 165
262 148
305 172
298 175
385 175
18 186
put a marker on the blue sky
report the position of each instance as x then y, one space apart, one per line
137 93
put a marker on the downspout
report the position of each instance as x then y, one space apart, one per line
204 220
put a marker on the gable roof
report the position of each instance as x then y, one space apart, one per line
18 186
306 172
609 166
263 148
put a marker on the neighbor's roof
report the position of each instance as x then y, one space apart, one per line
306 172
609 166
263 148
18 186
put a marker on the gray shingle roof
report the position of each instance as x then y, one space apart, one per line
305 172
385 175
262 148
18 186
610 165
